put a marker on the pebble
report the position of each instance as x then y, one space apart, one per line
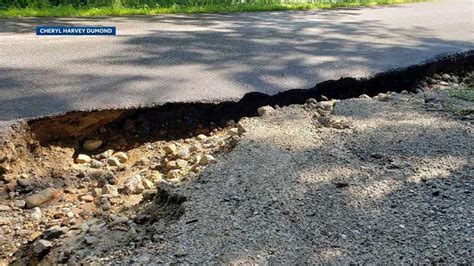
121 156
234 131
105 154
54 232
326 105
171 165
206 159
311 100
149 194
96 192
180 163
241 128
201 137
41 245
87 198
110 190
383 97
4 208
170 149
176 173
105 205
4 221
133 185
437 76
155 176
36 214
33 236
23 182
265 110
41 197
446 77
119 220
20 203
183 154
91 144
430 97
147 184
96 164
83 158
112 161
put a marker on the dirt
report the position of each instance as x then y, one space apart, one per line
368 180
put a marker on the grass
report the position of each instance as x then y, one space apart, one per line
70 11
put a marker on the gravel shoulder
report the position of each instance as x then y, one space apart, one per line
376 180
384 180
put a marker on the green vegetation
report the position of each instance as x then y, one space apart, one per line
87 8
466 94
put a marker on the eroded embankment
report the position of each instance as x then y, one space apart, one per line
125 154
128 128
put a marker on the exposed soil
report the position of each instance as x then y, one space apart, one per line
379 179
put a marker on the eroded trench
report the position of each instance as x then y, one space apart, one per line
49 152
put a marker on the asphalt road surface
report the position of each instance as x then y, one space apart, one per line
208 58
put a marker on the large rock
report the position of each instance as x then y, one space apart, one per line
91 144
42 197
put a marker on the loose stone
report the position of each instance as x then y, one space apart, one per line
110 190
201 137
87 198
206 159
170 149
112 161
121 156
4 221
147 184
83 158
20 203
96 164
91 145
4 208
149 194
265 110
36 214
41 246
176 173
234 131
133 185
42 197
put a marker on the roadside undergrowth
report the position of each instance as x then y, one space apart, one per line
118 10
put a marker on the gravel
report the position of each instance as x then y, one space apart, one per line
378 182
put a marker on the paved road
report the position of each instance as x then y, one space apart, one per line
173 58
